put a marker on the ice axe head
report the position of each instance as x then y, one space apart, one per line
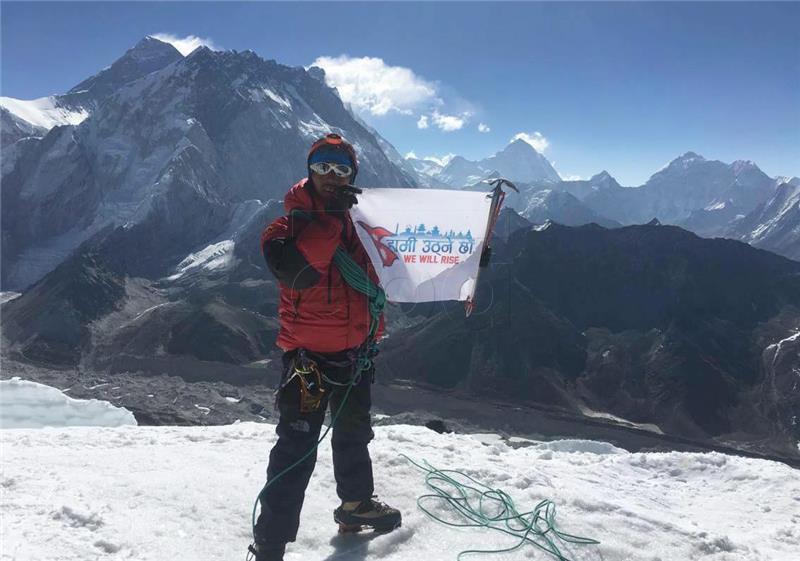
498 182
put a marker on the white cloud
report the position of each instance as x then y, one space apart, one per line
410 156
423 122
536 139
186 44
571 177
483 127
373 86
449 123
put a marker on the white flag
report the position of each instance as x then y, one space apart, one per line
425 244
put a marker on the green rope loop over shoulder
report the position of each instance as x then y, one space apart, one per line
358 279
480 506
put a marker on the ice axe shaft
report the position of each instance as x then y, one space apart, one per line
497 195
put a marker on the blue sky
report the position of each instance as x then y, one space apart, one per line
624 87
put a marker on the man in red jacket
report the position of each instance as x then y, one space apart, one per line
324 323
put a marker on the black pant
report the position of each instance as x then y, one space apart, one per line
298 432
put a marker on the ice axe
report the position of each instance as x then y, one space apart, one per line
497 195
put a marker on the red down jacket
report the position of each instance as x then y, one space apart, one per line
318 310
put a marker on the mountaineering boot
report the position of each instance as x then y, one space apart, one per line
371 513
266 551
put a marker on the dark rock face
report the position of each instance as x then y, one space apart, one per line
558 206
219 332
641 277
148 55
773 224
50 321
91 310
649 323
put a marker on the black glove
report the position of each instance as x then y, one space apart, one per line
345 197
486 256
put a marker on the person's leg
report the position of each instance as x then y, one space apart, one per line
352 465
297 433
352 432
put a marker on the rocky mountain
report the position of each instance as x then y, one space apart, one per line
519 161
561 207
460 172
710 198
426 171
584 188
24 118
426 167
651 324
173 156
775 223
148 55
687 185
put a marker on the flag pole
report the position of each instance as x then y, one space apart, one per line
497 195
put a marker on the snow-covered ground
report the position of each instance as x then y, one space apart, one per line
25 404
161 493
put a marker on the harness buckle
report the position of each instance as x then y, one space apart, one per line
309 376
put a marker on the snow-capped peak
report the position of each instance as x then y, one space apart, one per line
691 156
149 47
602 177
740 166
518 146
682 162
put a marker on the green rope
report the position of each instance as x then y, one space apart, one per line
358 279
480 506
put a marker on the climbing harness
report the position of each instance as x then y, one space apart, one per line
309 378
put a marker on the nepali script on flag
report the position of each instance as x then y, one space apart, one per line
425 244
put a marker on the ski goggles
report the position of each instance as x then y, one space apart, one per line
324 168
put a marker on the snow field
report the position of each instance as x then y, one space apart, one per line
159 493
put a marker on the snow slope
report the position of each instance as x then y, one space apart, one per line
25 404
157 493
43 112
